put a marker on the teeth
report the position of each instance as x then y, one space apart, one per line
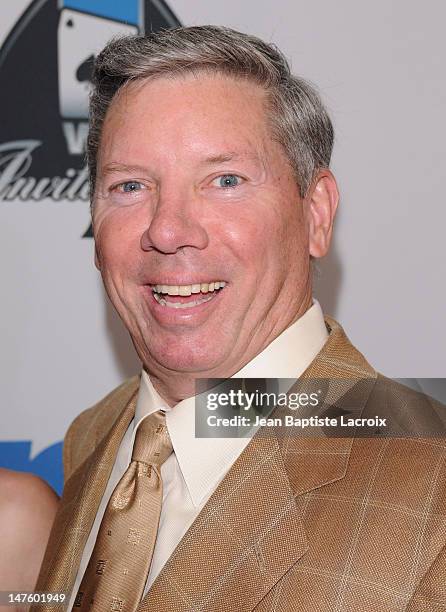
185 290
163 302
188 289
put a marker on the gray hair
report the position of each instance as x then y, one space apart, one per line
297 116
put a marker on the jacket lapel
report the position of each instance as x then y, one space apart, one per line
315 460
250 532
82 494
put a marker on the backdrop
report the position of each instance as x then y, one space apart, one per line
380 69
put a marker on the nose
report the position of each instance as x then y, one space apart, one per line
174 225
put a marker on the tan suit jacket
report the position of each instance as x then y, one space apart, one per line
298 524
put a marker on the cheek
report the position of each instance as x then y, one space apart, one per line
265 238
117 247
286 248
242 245
295 227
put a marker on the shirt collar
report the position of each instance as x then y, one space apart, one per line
287 356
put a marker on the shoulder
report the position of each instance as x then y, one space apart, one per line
91 425
408 412
103 413
27 509
21 489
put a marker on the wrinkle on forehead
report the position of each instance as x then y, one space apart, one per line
251 140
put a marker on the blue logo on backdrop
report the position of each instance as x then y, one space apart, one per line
45 72
47 464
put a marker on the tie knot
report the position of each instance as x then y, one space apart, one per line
152 440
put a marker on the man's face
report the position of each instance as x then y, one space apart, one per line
191 190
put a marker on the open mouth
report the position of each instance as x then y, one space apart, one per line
186 296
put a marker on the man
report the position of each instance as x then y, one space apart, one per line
211 193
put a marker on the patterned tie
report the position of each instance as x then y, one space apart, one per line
117 571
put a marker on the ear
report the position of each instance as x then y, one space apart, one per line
322 202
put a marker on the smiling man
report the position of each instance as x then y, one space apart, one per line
193 192
211 193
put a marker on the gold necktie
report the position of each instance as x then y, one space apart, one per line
117 571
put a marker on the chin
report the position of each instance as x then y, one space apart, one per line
185 357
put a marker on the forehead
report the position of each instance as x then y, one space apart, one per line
192 112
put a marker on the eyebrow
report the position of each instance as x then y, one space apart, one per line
116 167
230 156
122 168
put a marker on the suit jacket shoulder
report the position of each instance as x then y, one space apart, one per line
93 424
409 413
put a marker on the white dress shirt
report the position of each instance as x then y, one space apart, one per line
197 465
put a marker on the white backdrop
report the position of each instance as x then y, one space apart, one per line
380 69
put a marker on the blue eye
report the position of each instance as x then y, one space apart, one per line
131 186
229 180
